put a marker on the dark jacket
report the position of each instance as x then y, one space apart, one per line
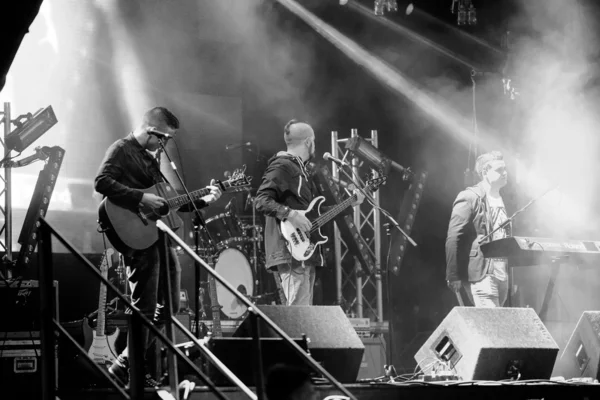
468 223
286 185
126 169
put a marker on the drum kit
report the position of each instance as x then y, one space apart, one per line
238 240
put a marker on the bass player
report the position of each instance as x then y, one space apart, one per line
286 188
128 166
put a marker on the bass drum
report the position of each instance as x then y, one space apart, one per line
233 265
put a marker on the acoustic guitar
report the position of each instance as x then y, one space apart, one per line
129 230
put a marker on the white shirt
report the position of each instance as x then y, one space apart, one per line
497 216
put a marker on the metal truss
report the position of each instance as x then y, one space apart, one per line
5 182
359 293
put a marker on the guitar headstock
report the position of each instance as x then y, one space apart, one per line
375 182
238 181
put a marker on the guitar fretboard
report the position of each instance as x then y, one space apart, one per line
182 200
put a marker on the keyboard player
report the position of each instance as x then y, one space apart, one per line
476 211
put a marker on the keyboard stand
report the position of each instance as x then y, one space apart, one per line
554 269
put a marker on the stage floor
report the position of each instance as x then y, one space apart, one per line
422 391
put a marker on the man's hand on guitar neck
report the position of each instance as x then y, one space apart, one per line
299 221
153 201
214 195
360 197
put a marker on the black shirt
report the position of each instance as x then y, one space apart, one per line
127 167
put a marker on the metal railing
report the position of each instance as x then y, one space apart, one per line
49 325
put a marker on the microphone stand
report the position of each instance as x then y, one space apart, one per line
390 370
383 211
200 219
509 220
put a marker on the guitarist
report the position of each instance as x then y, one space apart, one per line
127 167
286 187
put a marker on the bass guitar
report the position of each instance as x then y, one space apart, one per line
129 230
102 350
301 244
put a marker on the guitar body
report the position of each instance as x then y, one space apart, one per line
87 332
135 229
102 350
127 231
302 245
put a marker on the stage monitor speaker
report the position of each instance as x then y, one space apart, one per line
333 342
490 344
239 355
581 356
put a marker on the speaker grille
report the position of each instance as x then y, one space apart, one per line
491 344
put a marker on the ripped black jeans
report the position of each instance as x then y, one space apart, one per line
147 286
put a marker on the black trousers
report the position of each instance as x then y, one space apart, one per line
147 285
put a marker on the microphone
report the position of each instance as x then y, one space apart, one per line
328 157
161 135
232 146
40 154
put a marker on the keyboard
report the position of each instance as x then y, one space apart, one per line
521 250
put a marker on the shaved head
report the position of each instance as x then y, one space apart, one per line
300 139
296 132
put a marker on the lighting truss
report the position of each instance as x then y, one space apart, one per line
360 294
28 128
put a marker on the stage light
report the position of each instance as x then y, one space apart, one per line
472 15
372 156
461 18
31 129
465 12
379 7
392 5
38 206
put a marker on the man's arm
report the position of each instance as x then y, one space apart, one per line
106 182
459 221
270 193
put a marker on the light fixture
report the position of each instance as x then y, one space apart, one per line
372 156
472 15
38 206
380 6
465 12
392 5
30 129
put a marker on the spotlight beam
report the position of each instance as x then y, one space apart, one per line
446 117
385 21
